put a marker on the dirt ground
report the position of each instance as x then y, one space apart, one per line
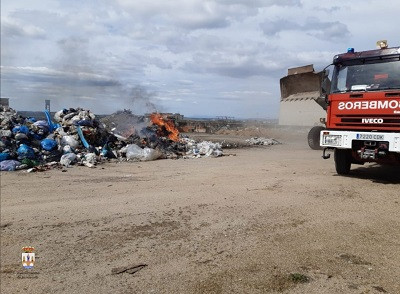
263 220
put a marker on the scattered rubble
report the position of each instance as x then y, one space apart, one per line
262 141
205 148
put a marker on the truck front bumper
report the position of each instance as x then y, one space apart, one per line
344 139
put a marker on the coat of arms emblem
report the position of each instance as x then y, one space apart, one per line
28 257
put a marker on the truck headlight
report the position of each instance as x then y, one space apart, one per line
332 140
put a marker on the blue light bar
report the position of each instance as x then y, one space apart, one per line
350 50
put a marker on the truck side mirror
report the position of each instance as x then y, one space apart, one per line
326 82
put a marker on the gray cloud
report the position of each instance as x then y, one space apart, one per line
327 30
323 30
43 74
199 14
16 30
185 82
188 14
329 10
262 3
271 28
234 68
243 69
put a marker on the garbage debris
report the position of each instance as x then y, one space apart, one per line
9 165
204 148
134 152
69 141
76 137
124 122
48 144
67 159
4 156
24 151
29 162
89 160
262 141
128 269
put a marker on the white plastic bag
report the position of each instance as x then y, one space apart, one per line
134 152
69 140
90 157
150 154
67 159
57 116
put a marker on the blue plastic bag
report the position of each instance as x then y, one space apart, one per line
4 156
24 151
52 126
48 144
21 129
84 142
9 165
31 119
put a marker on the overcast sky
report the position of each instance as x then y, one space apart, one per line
195 57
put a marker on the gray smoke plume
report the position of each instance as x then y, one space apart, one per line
141 99
86 81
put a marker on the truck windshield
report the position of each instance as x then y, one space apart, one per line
366 76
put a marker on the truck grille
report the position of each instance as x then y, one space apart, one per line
386 121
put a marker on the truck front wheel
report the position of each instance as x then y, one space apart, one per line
313 137
342 161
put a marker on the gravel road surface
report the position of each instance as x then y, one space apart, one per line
263 220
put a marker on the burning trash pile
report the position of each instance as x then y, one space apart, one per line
161 139
76 136
124 122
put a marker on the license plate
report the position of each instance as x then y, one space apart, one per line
370 137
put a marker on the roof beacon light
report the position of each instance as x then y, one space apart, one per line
350 50
382 44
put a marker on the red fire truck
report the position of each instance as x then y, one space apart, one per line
363 108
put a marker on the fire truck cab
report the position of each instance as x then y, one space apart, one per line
363 108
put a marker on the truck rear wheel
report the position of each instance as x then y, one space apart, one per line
343 161
314 137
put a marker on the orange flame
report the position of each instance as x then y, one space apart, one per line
168 124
